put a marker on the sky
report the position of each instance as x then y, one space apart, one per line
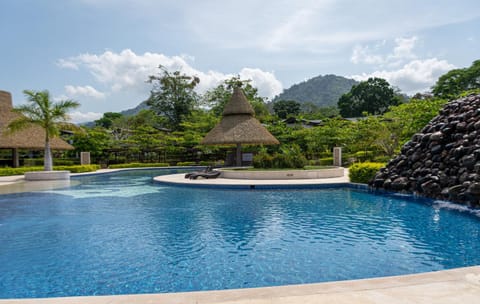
101 52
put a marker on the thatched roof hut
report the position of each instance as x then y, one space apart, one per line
239 126
32 138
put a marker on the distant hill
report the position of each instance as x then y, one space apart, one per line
322 91
134 111
128 112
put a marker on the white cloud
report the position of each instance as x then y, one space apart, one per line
363 54
400 66
67 64
127 71
404 47
415 76
376 54
79 117
265 82
316 25
88 91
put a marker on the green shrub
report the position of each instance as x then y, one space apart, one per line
211 163
206 163
186 164
290 157
72 169
78 168
263 160
18 171
325 161
382 159
325 154
63 162
138 165
364 172
364 156
33 162
282 161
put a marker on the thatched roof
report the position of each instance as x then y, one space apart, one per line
29 138
238 104
238 125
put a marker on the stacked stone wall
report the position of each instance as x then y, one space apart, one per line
443 160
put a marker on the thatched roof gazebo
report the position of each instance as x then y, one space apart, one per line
32 138
239 126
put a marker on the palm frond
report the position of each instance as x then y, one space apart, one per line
29 111
67 126
19 124
60 109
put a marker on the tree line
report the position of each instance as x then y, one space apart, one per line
178 118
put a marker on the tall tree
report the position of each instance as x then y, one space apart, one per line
373 96
173 95
96 140
41 111
107 119
454 82
284 108
414 115
216 98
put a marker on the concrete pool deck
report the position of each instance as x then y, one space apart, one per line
179 179
460 285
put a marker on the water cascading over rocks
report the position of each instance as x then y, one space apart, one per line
443 160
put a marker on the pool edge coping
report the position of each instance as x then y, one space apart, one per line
459 284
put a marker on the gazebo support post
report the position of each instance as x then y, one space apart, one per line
15 158
239 155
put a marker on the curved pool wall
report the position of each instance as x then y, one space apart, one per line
121 233
282 174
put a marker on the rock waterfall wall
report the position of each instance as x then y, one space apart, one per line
443 160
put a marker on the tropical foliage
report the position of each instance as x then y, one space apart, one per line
173 95
170 131
364 172
373 96
456 81
285 108
41 111
72 169
216 98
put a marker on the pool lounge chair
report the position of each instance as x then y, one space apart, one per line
207 175
206 170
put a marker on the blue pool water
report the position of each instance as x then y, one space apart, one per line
122 234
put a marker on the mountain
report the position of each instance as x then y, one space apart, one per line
128 112
323 91
134 111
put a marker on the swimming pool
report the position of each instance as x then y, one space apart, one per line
120 233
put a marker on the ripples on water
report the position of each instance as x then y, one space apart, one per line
120 234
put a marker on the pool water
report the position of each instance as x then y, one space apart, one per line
121 233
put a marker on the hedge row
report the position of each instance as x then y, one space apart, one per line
279 161
137 165
184 164
72 169
364 172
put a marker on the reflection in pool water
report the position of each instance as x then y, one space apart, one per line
120 233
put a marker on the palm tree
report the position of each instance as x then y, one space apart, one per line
41 111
